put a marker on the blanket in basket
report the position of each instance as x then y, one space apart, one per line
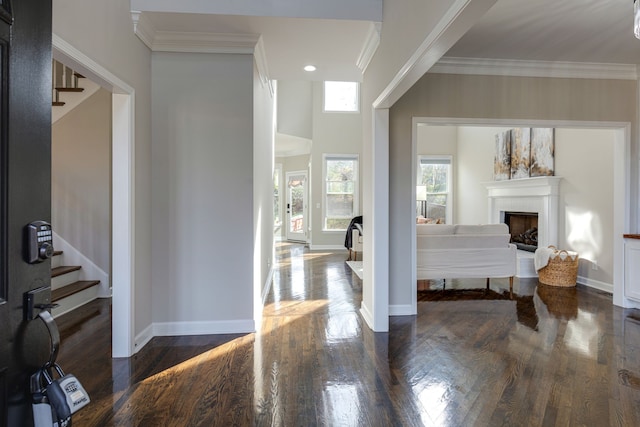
543 255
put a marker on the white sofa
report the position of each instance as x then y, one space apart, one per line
465 251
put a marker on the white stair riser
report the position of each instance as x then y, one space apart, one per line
65 279
74 301
56 261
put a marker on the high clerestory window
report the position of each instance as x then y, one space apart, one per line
341 97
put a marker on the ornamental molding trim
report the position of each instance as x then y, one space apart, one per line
188 42
522 68
371 43
191 42
199 42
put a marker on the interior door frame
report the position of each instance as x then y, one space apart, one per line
621 186
305 207
122 189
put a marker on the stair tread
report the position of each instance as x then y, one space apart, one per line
64 269
70 89
57 104
72 288
56 253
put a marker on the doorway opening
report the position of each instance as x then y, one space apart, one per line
297 188
618 134
122 181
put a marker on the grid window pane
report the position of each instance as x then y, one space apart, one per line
340 199
434 176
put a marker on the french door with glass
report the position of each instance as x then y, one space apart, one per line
297 206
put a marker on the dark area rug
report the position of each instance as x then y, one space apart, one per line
462 295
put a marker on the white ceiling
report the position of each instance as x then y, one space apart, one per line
595 31
332 45
590 31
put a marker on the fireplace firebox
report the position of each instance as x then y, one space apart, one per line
523 227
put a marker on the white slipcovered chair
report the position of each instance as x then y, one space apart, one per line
356 242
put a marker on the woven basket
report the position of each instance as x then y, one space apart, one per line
559 272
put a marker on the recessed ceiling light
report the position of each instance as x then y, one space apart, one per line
309 68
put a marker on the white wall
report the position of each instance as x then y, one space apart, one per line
203 195
333 133
263 164
476 150
102 30
81 178
584 158
295 112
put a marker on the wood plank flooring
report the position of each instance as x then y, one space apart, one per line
546 357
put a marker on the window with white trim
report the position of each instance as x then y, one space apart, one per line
341 97
434 190
340 172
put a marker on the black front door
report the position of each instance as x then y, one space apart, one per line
25 193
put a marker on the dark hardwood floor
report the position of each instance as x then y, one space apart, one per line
546 357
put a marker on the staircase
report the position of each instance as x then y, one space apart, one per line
67 290
69 89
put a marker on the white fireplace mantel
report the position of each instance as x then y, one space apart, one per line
536 195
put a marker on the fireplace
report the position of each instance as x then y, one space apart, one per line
523 227
540 196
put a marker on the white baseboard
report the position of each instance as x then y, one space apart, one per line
401 310
161 329
366 315
596 284
89 270
143 338
327 247
267 286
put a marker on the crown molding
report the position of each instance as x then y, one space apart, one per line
195 42
260 58
174 41
521 68
143 28
371 43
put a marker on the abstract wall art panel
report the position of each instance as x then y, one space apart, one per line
502 160
542 152
520 152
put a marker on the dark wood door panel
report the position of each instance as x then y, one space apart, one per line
25 192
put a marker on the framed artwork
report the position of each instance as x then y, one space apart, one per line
502 160
542 152
520 152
